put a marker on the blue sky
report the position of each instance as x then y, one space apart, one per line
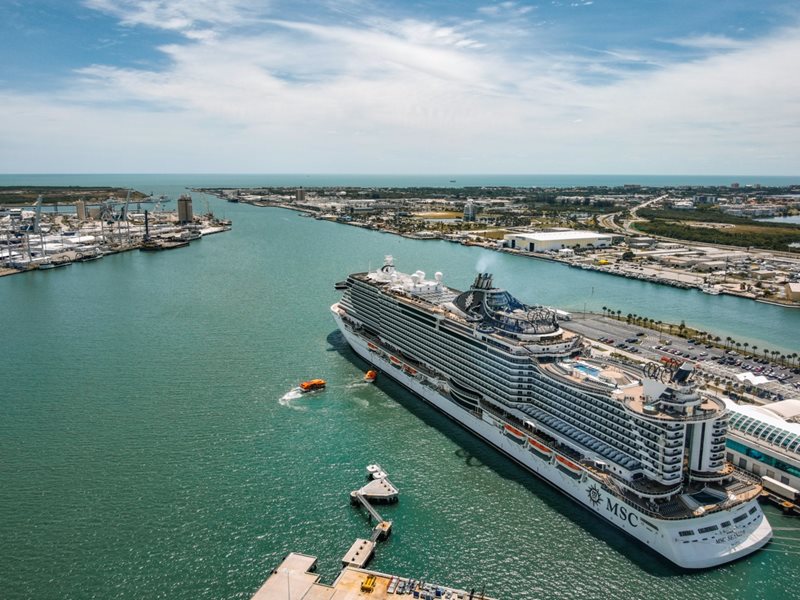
361 86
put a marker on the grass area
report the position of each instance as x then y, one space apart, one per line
495 234
51 195
439 215
748 234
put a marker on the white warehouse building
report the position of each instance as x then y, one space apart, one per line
555 240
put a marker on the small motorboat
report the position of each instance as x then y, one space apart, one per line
312 385
370 376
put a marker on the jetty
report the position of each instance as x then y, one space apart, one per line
295 579
379 490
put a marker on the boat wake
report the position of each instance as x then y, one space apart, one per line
360 402
356 385
288 397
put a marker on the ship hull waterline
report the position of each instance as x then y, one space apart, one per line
659 535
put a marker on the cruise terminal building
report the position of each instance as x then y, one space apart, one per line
546 241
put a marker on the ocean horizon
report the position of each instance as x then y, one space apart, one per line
443 180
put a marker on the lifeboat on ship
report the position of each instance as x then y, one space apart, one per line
370 376
312 385
567 466
514 434
372 347
410 370
396 361
540 449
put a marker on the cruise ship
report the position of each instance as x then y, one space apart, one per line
642 448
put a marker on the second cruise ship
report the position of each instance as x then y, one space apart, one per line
642 448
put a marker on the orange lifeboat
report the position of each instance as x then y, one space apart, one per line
370 376
311 385
568 467
515 435
541 448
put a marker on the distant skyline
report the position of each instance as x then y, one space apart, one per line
359 86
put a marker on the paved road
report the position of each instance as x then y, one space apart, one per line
646 345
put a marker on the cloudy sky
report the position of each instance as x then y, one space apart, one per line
362 86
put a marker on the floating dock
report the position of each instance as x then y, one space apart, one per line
294 579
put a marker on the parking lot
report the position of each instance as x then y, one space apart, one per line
783 382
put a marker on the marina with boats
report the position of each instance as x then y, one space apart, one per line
35 239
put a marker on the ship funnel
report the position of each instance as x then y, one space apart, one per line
483 281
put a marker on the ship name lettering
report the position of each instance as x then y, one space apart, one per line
622 512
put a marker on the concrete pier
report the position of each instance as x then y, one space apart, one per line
359 554
294 579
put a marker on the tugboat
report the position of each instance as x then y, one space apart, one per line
370 376
312 385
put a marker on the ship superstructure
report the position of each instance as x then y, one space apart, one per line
642 448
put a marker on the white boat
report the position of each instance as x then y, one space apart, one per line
642 449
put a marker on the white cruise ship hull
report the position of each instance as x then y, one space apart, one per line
746 531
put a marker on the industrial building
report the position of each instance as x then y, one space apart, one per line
793 291
546 241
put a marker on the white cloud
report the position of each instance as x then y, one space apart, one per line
405 96
180 15
709 42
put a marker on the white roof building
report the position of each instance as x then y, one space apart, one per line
765 440
544 241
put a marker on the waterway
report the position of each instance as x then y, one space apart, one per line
795 220
151 447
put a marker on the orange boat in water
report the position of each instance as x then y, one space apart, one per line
312 384
370 376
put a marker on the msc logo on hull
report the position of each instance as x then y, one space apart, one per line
622 513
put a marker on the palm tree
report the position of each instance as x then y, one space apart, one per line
745 347
629 317
728 340
766 352
794 356
619 313
604 310
754 349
